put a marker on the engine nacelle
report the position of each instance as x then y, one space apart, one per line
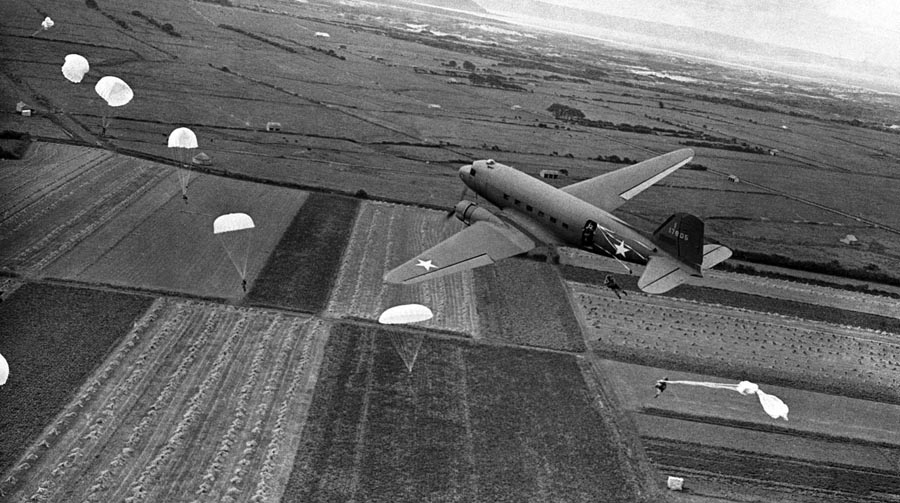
469 213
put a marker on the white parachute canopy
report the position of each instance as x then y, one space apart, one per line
232 222
234 231
75 67
182 138
773 405
114 91
4 370
46 24
407 313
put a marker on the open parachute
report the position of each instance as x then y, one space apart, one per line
773 405
46 24
114 91
75 68
183 141
4 370
407 313
235 231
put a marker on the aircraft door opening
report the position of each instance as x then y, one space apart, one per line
587 233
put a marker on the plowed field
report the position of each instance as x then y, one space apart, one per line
199 401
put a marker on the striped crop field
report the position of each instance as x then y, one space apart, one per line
730 341
198 402
58 195
384 236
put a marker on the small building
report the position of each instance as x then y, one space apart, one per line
554 173
850 239
773 151
201 159
322 34
23 108
733 179
273 126
675 483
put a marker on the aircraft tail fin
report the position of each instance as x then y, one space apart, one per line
681 236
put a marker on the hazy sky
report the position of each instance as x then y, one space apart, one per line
860 30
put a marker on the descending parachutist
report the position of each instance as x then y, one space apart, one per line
661 386
244 284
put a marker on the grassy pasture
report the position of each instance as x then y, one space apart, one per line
161 243
301 269
198 401
524 302
471 422
384 236
54 338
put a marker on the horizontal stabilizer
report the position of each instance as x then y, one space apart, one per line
714 254
662 274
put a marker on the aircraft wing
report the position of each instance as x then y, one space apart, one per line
611 190
481 243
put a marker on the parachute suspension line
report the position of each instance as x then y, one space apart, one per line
249 241
230 257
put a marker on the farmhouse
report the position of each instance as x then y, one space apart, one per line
554 173
202 159
273 126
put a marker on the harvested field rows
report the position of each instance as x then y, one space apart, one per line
472 422
698 337
199 401
384 236
59 195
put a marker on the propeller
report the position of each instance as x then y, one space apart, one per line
462 195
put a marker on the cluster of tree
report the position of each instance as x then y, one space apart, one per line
166 27
747 269
614 159
742 147
565 112
832 268
13 144
327 52
497 81
257 37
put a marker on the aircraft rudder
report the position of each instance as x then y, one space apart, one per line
681 236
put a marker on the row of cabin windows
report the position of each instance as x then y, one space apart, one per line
531 210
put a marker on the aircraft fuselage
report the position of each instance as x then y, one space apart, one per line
569 219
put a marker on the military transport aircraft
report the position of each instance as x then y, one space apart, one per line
529 211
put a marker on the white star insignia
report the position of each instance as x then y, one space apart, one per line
426 264
622 249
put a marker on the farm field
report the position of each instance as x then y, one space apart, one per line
739 343
377 432
161 243
357 113
384 236
524 302
58 195
198 401
53 338
300 270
